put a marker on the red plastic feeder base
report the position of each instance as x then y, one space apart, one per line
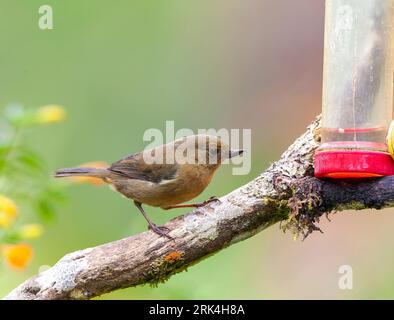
342 164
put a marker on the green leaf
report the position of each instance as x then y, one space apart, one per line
45 210
55 192
11 237
31 161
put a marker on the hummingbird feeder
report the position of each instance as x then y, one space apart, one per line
357 90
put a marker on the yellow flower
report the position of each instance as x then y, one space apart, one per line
30 231
17 256
91 180
50 114
8 212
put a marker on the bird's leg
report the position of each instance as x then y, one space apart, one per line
193 205
161 231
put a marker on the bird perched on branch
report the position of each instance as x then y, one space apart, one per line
165 176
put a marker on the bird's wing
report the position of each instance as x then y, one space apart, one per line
134 167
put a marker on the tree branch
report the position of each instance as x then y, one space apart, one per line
285 192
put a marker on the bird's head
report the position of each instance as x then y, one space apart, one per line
206 150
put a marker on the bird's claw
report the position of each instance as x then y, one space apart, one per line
214 199
211 199
160 230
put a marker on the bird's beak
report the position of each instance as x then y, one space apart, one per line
234 153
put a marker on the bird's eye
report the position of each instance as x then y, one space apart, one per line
213 152
213 156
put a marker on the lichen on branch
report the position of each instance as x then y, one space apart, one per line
286 192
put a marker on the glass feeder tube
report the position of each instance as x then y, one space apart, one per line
357 89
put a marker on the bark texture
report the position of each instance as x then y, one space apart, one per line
286 192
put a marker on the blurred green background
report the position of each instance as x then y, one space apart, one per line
122 67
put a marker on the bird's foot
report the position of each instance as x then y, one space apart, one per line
193 205
160 230
211 199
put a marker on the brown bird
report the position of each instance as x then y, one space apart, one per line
164 176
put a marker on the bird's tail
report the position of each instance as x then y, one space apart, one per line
80 172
